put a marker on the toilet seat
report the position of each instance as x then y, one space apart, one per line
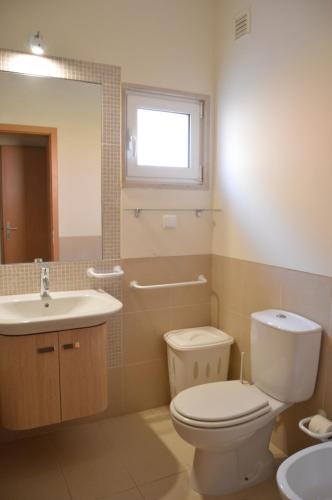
220 404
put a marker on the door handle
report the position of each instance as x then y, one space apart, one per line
43 350
74 345
9 229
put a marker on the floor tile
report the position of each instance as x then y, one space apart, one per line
133 494
90 465
264 491
159 421
29 470
177 487
142 451
47 485
132 457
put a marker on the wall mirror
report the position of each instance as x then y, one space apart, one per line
50 175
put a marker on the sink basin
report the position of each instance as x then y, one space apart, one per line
27 314
306 475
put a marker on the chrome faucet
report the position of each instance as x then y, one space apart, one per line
44 282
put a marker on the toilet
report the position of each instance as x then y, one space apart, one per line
230 423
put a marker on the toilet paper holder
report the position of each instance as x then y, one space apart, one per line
304 423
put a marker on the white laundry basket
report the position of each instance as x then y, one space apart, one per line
197 356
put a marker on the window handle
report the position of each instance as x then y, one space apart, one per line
132 145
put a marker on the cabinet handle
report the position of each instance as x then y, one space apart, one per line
43 350
74 345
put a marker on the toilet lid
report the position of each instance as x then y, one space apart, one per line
222 402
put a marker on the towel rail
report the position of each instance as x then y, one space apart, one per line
201 280
117 271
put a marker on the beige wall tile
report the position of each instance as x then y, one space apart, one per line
115 392
261 287
327 363
148 271
307 294
215 310
143 335
239 328
230 284
217 273
146 386
245 347
286 434
191 316
188 268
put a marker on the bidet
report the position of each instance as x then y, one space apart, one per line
306 475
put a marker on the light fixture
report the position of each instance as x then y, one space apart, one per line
36 44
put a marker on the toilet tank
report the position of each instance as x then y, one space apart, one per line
284 354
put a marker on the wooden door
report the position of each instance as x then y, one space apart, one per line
29 375
13 205
83 371
37 204
26 231
51 189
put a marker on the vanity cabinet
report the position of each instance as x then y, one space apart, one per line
29 375
52 377
83 372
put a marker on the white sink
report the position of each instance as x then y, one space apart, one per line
26 314
306 475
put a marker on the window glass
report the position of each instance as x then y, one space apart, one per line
162 139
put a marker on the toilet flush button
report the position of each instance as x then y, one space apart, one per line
169 221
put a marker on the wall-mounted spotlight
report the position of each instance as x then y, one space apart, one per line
36 44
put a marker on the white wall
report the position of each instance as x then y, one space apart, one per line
274 154
74 109
163 43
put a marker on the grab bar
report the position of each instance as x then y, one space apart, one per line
201 280
117 271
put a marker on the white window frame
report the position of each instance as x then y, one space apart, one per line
196 106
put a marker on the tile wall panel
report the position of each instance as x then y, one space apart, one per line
240 288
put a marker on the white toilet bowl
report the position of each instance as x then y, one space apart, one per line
230 423
230 426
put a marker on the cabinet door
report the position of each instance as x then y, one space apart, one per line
29 374
83 371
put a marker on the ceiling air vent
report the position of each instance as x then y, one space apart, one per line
241 25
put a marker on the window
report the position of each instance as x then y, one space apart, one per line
164 137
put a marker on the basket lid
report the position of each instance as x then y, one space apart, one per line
197 338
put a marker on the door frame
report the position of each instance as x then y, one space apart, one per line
52 164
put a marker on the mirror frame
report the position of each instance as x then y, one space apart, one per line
109 78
